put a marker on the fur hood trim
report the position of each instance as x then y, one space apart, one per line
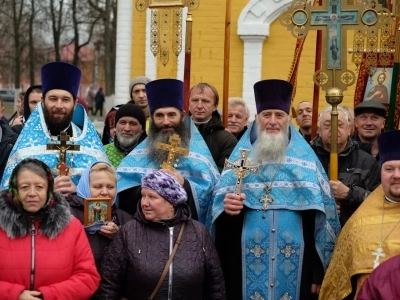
17 225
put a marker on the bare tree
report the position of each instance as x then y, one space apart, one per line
107 9
56 25
31 45
78 19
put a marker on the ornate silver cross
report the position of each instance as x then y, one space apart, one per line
241 168
378 254
266 200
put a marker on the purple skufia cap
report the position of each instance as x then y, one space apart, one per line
61 76
164 93
389 146
166 186
273 94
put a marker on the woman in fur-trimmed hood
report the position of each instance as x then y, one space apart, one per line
44 252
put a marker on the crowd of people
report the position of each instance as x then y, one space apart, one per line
185 208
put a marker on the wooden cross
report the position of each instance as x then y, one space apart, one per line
241 168
378 254
173 149
63 138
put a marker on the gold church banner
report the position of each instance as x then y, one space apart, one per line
166 25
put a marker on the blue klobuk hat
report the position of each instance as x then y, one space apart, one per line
164 93
61 76
273 94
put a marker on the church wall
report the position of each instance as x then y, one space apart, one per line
208 53
208 46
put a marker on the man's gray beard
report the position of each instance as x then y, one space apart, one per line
128 142
271 148
156 135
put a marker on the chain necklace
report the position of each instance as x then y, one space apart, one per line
267 199
378 253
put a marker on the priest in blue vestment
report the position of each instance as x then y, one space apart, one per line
60 86
196 171
276 236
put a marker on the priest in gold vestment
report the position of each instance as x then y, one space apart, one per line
372 234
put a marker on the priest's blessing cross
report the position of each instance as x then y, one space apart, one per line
173 149
63 147
241 168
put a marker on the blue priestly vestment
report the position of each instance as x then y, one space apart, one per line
198 168
35 136
272 247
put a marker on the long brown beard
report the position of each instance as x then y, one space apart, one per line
156 135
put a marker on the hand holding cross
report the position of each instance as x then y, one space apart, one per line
241 168
63 138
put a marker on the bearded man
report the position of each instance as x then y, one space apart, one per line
130 124
60 85
196 172
275 239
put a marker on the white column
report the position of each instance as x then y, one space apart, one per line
123 51
150 59
252 68
181 57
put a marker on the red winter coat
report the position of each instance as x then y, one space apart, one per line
64 264
383 283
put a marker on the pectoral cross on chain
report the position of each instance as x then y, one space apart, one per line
378 254
266 200
241 168
63 138
173 149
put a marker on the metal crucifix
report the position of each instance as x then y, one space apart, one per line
63 147
173 149
241 168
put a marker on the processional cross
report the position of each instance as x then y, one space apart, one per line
63 147
378 254
241 168
334 18
173 149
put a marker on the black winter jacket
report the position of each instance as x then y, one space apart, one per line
139 252
358 170
8 139
220 142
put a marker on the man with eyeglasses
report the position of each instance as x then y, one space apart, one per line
130 124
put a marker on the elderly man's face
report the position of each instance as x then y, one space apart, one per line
237 118
390 178
128 130
325 130
369 125
273 121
